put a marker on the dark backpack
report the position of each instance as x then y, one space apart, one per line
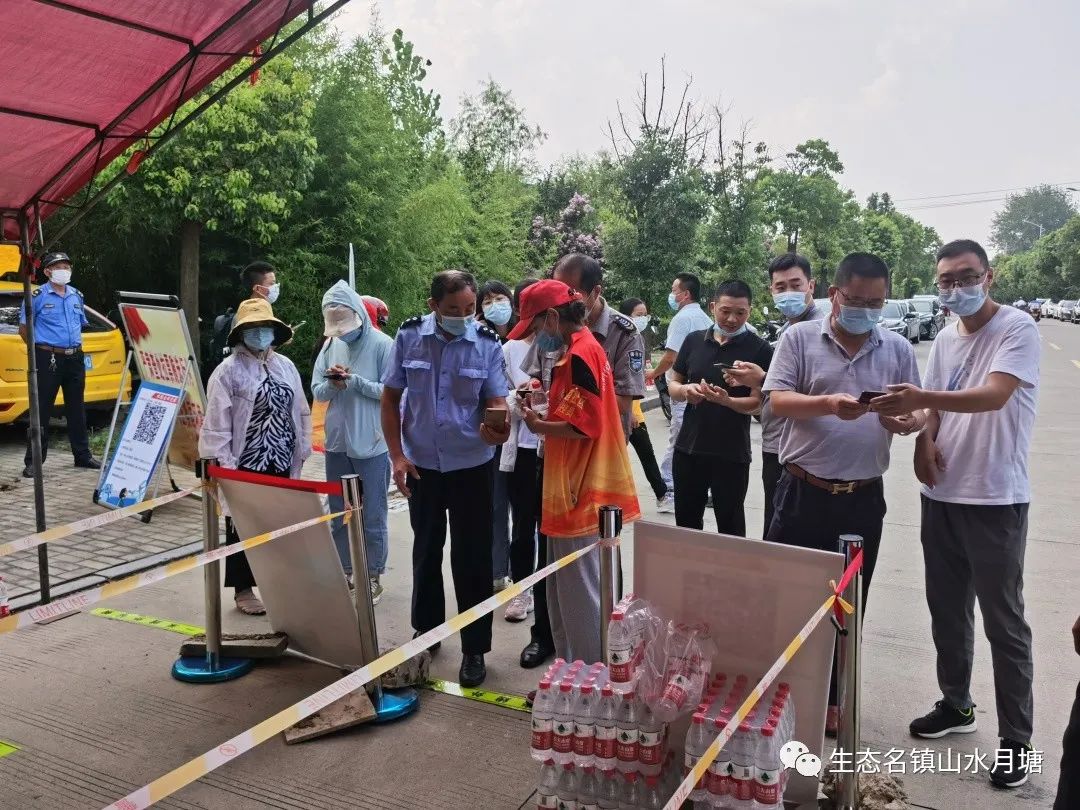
219 340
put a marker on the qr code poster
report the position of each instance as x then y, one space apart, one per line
140 446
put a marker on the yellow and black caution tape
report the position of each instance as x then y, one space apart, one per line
93 522
516 702
7 749
148 621
246 740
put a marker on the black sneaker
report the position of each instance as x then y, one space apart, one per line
1010 764
943 719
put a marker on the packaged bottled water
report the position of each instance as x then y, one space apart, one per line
567 788
548 786
609 791
742 746
542 716
606 730
588 789
697 741
630 796
585 725
562 732
626 743
650 742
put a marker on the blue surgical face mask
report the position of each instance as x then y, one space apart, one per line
857 320
455 325
791 304
498 312
259 338
547 342
354 335
642 322
964 301
734 333
671 302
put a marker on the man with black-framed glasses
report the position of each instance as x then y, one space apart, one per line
979 408
833 450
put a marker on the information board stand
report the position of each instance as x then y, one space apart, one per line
167 410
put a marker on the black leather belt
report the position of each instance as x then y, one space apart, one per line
58 350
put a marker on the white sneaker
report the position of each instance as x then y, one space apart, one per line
666 505
519 608
501 584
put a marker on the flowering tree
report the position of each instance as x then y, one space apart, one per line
577 230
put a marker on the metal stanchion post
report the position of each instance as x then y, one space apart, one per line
388 705
212 668
610 527
850 672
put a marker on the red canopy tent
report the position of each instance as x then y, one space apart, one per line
82 80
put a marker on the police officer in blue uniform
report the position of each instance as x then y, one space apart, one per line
450 370
59 319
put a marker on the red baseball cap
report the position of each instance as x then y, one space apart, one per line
538 298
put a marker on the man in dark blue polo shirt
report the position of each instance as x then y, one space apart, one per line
59 319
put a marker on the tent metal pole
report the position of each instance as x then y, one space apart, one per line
353 495
35 411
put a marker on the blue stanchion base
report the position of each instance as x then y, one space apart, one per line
196 669
395 705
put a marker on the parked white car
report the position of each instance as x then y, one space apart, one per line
1050 309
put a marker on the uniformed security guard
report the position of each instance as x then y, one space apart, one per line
59 319
442 453
622 342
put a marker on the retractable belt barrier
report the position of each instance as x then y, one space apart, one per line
17 621
213 759
682 792
94 522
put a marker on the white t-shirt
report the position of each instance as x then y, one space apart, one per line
515 351
691 318
986 454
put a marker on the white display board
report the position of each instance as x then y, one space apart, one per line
130 471
299 576
755 596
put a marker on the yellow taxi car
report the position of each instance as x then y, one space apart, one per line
103 347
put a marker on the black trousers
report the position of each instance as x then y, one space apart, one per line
238 573
465 496
524 493
639 439
1068 792
770 477
694 476
811 517
68 374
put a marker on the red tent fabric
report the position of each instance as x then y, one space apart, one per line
81 80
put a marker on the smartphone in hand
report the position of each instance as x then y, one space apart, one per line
496 418
866 396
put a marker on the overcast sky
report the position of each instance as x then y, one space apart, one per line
920 98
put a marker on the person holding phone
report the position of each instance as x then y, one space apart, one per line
347 375
833 450
442 453
712 450
586 464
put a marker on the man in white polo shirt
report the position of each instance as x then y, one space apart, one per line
982 379
689 317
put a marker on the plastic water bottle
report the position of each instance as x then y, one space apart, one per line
742 768
609 791
606 730
567 789
630 796
5 605
562 729
697 741
718 784
538 399
542 715
653 798
626 743
767 770
585 726
588 789
620 650
650 742
547 788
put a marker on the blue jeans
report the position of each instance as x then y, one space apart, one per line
374 474
500 551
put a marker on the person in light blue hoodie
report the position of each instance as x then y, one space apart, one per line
347 375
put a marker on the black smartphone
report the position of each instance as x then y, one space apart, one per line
866 396
725 366
334 376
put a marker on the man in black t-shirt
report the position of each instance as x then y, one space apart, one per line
712 451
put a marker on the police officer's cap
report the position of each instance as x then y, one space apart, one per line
50 259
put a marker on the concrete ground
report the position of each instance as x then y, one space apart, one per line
95 714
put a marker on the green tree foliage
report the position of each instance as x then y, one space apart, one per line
1016 226
1050 269
906 245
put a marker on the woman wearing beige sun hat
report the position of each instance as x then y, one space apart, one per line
257 419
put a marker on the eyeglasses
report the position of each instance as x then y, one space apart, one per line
963 281
863 303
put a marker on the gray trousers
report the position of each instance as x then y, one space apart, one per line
573 600
978 552
677 410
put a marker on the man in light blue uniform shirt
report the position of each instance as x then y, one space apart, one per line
59 318
441 453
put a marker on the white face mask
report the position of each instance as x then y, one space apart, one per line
642 322
61 276
272 292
